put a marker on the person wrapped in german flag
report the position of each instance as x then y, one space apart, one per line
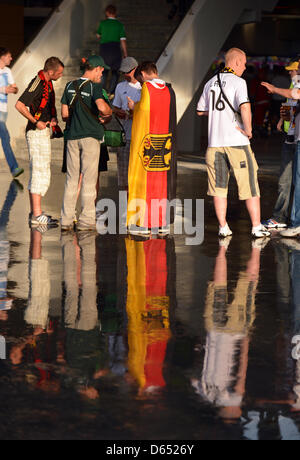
152 175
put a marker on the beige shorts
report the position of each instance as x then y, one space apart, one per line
241 160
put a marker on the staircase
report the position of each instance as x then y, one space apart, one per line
183 58
147 34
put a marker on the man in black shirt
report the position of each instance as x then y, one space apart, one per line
37 105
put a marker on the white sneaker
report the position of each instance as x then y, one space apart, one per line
260 243
291 232
225 231
260 232
225 242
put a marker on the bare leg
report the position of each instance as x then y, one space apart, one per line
221 210
36 204
220 274
253 206
36 245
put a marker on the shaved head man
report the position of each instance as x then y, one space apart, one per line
225 101
236 59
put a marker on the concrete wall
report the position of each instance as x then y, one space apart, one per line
63 36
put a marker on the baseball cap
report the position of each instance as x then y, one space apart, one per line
97 61
292 66
128 64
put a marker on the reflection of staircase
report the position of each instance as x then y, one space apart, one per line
147 34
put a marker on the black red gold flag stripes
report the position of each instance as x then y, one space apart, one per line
152 165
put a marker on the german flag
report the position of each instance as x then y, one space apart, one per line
152 165
148 309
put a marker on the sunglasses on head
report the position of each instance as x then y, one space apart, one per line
129 71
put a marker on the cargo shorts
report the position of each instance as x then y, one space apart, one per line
241 160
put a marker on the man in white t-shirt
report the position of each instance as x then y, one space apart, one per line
230 131
129 88
294 93
7 86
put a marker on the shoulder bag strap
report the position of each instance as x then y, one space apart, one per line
89 111
225 97
83 104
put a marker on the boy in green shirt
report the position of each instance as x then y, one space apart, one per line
112 40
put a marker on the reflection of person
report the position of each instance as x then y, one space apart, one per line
230 131
128 88
84 135
148 305
152 164
294 247
39 292
83 353
112 275
5 301
227 344
35 346
7 86
40 98
112 41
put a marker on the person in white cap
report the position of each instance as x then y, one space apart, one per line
294 230
129 88
281 213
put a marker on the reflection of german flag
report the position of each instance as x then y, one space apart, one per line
152 165
148 307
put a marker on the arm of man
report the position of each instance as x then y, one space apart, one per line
104 109
123 41
117 104
12 88
119 112
22 109
26 99
287 93
247 120
203 104
124 47
65 112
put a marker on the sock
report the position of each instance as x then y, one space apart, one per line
255 229
224 228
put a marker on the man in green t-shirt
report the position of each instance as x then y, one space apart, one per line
112 41
84 110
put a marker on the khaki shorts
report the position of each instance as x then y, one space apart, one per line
241 160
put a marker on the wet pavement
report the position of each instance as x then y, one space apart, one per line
112 337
